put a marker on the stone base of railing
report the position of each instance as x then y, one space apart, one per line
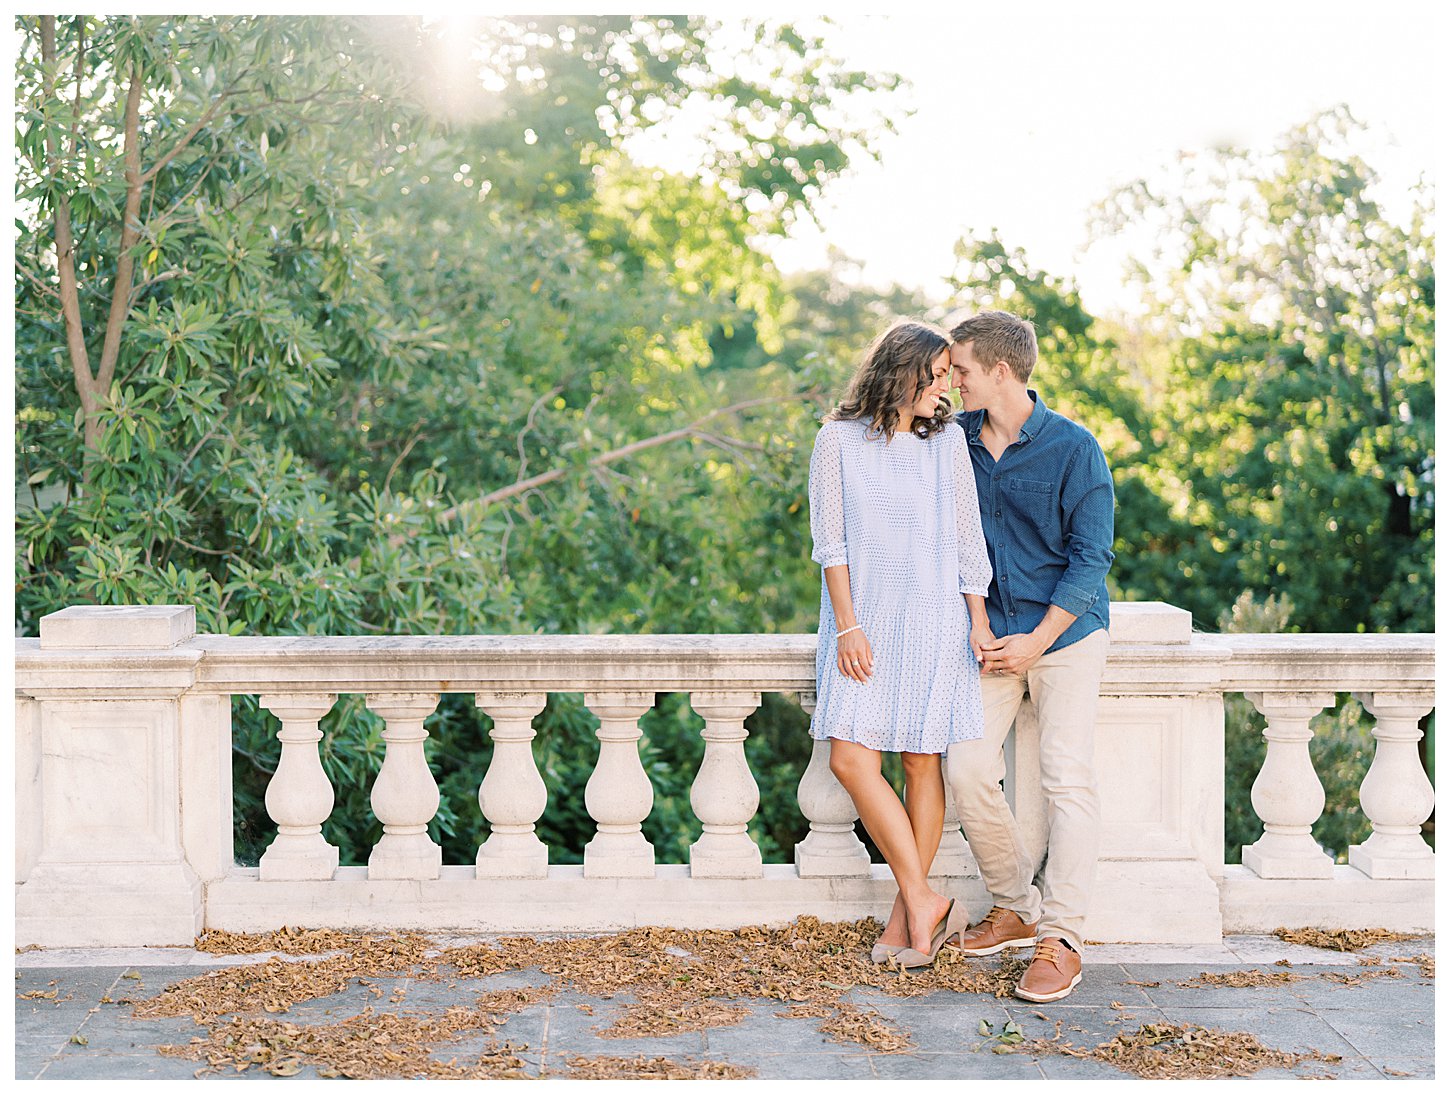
1178 905
1349 899
1134 902
79 905
1137 902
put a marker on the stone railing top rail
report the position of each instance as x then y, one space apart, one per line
95 650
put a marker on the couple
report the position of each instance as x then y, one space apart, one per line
964 565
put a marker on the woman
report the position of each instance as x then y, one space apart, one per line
898 536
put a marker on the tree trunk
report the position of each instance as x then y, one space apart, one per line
70 301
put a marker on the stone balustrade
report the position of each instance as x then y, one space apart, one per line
124 799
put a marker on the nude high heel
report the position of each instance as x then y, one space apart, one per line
882 953
957 919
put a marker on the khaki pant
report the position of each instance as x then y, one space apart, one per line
1064 688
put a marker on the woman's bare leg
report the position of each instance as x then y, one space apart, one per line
925 809
859 771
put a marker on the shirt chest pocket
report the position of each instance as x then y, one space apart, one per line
1033 499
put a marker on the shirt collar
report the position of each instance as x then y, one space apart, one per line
1036 420
972 421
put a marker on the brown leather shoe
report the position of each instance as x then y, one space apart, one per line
1055 971
999 929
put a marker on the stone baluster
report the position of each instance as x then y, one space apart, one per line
512 795
954 857
724 795
831 849
1396 795
618 795
299 796
1287 794
405 794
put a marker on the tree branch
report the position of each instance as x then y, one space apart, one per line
418 435
44 288
130 233
190 135
513 490
529 424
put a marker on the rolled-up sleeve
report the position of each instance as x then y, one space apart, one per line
974 567
827 500
1087 509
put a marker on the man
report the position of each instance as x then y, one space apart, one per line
1047 509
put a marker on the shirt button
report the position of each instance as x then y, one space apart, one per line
1012 613
999 513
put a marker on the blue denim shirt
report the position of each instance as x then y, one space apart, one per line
1047 511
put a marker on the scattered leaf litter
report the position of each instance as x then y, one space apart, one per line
653 1068
369 1045
1162 1051
1362 977
1248 979
1343 939
1426 962
649 1020
1242 979
678 980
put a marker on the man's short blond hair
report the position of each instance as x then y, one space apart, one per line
1000 336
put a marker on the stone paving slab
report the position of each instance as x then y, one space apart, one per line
1382 1029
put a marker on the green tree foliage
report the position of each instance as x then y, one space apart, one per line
302 344
1295 335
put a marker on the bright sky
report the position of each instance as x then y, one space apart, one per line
1029 113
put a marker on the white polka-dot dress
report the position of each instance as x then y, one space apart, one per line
903 517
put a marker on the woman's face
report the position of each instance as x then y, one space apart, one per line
925 404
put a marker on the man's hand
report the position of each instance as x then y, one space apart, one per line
1014 654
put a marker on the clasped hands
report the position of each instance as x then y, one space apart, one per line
1014 654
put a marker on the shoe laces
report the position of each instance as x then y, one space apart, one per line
1049 950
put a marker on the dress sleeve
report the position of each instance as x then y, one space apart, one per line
974 568
827 499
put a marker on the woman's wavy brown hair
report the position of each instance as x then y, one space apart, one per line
895 370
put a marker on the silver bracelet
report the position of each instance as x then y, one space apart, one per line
848 631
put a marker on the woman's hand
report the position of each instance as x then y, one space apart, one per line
981 630
981 635
853 656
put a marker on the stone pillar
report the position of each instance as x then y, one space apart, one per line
98 762
1023 783
954 858
1287 794
512 795
1396 794
405 794
618 795
831 849
724 795
299 796
29 802
206 781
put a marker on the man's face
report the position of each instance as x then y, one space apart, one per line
972 382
